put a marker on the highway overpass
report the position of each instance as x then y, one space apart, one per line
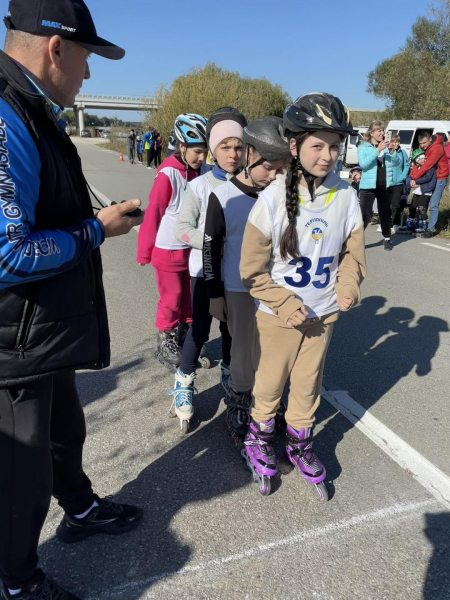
109 102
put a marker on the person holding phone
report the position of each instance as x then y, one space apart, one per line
377 158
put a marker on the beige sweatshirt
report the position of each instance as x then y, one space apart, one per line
331 246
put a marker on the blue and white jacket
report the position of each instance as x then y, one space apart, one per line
52 304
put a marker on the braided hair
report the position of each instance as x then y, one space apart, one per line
289 242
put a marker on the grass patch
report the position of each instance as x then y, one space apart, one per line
444 214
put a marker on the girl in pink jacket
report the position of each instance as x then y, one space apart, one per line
157 244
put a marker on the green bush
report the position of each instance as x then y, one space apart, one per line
204 90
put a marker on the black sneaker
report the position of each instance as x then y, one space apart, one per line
109 517
38 588
429 233
388 245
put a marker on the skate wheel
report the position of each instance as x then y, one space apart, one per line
205 362
264 485
322 491
184 426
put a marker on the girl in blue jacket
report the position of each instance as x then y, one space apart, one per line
399 175
377 162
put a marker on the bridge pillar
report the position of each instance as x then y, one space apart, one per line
79 118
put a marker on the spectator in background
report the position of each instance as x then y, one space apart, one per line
149 141
158 148
131 145
341 159
377 162
355 176
399 175
139 149
422 192
433 146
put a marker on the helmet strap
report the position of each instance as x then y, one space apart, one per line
183 157
248 167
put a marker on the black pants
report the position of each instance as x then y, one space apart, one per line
42 432
149 156
139 155
419 201
395 197
198 333
366 200
158 156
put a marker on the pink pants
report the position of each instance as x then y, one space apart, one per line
174 305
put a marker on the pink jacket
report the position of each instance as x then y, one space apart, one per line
159 199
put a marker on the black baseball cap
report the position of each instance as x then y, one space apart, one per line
70 19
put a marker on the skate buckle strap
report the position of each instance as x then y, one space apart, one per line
240 402
171 344
301 452
265 447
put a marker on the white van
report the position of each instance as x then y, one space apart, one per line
351 149
409 131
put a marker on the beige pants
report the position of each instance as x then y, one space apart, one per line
241 325
299 353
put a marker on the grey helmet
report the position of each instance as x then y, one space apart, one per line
266 136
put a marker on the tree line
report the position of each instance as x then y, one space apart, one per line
415 82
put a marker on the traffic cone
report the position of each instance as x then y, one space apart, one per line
121 157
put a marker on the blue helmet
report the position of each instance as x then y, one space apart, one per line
190 129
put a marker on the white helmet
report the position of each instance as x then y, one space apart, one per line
190 129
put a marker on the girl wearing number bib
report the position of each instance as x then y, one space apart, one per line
303 261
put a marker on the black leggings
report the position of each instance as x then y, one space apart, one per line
42 432
198 333
395 197
366 200
419 201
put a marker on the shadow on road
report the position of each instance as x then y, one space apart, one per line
371 351
93 385
437 582
202 468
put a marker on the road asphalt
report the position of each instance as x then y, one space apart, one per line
207 533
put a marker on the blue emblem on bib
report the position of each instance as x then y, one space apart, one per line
317 234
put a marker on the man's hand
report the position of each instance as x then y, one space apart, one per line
298 317
345 303
218 308
114 218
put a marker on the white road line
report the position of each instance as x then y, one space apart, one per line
435 246
423 471
106 200
384 515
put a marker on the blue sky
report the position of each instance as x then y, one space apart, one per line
303 45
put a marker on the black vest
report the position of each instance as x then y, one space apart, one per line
59 322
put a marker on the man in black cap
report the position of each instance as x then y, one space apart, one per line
52 307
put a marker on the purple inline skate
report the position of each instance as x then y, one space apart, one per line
259 454
300 453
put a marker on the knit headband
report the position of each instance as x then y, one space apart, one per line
222 131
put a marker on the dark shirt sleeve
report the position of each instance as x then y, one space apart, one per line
215 232
427 177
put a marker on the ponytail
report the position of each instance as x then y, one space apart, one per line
288 244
